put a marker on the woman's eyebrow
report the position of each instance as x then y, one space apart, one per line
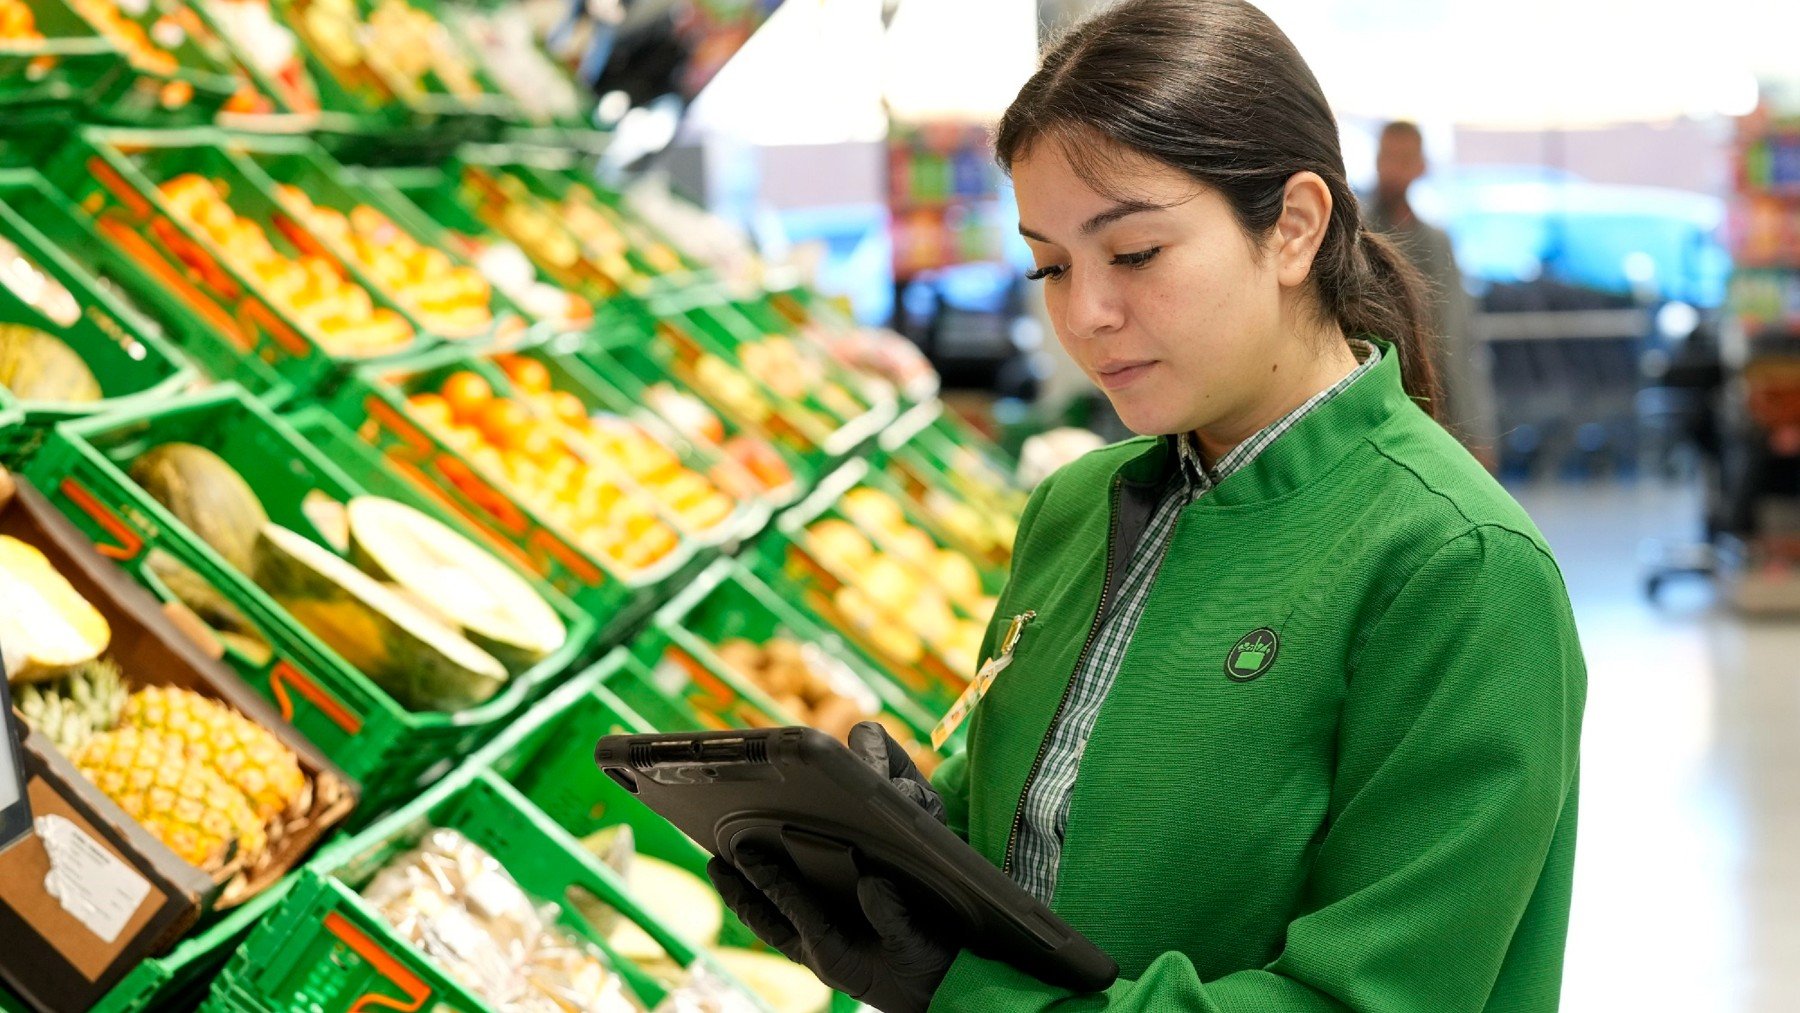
1112 214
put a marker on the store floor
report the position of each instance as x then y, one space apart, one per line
1687 882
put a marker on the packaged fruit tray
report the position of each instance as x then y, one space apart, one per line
502 454
856 555
124 709
68 345
214 502
739 655
366 926
52 59
438 292
184 211
391 63
548 755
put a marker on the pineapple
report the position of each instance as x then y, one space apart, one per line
75 707
244 753
174 795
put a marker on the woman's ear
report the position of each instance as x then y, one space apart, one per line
1305 215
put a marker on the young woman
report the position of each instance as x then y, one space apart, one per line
1292 717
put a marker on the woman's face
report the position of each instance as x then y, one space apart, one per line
1160 299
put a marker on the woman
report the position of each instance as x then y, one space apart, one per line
1294 724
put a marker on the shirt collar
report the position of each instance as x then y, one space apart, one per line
1191 467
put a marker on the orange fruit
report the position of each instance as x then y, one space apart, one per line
530 375
505 423
467 394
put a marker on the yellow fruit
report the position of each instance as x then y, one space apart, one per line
840 544
46 627
874 509
178 798
890 582
241 751
957 576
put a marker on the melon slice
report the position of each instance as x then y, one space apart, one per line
455 578
46 627
422 663
673 896
205 494
784 985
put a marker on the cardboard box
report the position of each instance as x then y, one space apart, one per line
90 893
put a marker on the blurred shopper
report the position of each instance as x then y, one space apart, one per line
1290 710
1462 366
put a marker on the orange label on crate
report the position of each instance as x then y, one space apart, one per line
129 544
124 192
147 257
414 989
285 675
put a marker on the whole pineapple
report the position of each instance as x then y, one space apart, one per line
172 794
244 753
72 709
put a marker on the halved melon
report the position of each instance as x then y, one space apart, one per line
422 663
46 626
457 579
206 494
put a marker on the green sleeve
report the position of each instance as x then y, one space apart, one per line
952 777
1456 769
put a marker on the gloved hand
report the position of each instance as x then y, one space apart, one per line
897 970
872 744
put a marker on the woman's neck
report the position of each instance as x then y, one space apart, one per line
1293 380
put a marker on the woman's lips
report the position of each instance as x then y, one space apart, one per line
1117 375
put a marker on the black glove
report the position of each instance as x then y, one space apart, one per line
872 744
896 970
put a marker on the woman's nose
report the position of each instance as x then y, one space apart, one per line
1092 307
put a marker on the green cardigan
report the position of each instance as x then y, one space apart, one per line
1380 816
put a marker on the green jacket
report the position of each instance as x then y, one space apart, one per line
1384 818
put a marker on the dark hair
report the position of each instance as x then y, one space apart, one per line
1407 127
1213 88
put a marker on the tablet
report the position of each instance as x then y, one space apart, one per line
15 813
799 792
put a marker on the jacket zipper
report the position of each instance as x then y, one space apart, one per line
1012 837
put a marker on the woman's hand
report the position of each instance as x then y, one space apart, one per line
872 744
896 970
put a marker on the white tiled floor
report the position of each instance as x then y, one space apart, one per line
1687 891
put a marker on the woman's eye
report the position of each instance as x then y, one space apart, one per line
1050 272
1138 259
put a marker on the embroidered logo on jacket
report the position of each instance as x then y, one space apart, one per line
1252 655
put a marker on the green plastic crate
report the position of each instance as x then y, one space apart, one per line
156 307
326 951
68 68
131 363
729 601
391 750
297 161
548 755
202 81
790 560
373 403
375 101
115 174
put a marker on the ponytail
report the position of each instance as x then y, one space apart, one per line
1377 291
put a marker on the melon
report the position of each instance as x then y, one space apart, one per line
779 982
38 367
422 663
207 495
496 609
46 626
